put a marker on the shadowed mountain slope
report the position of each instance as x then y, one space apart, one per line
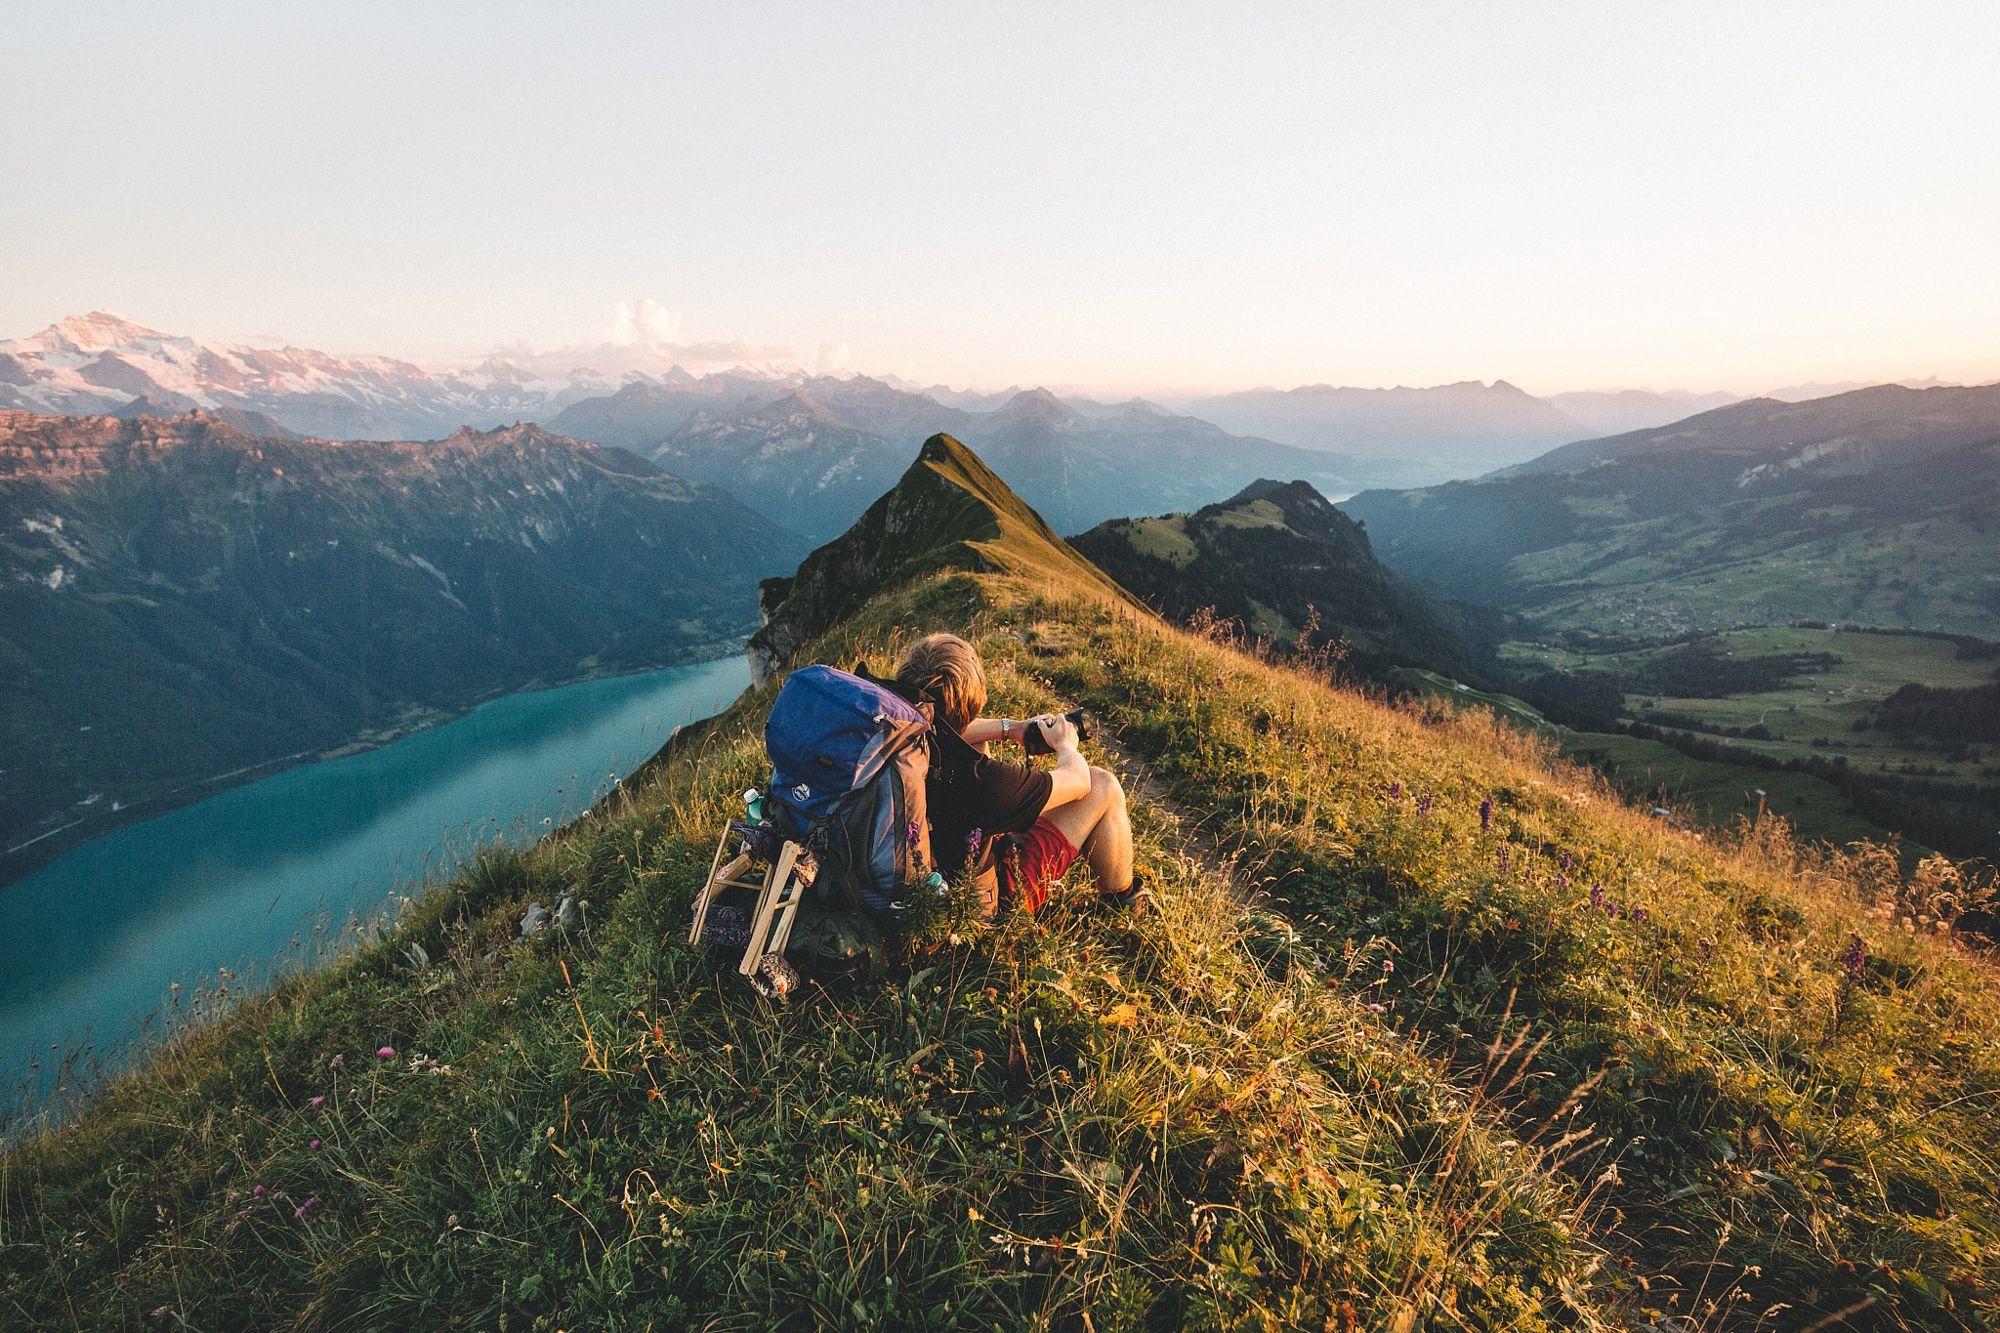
181 600
1272 559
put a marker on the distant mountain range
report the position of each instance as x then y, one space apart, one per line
740 427
810 451
1268 559
1616 411
180 599
813 456
1799 393
1880 507
1445 430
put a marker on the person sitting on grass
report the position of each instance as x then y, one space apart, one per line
1017 829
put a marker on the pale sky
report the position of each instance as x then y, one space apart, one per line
1126 199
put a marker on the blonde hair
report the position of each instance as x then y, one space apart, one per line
947 669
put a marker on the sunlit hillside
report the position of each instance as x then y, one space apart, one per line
1431 1031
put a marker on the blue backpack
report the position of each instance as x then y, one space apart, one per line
848 763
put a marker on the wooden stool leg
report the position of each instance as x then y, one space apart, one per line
707 894
788 912
767 906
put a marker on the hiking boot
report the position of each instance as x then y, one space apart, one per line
1136 899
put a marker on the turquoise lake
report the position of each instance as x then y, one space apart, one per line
267 875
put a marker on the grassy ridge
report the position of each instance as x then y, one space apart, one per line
1794 1118
1436 1081
1176 1120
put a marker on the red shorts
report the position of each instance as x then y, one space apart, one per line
1029 864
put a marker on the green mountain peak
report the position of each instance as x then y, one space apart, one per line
948 511
1273 559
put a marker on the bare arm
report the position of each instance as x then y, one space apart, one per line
981 730
1070 779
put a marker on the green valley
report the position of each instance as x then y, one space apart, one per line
1823 710
1741 593
1791 718
1875 507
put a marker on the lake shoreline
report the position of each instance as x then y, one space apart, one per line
22 859
210 903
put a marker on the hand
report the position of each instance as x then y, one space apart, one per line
1058 731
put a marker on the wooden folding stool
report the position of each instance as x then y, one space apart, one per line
780 888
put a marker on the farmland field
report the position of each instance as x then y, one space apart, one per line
1813 713
1717 793
1800 706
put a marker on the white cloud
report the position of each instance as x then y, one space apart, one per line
644 322
647 337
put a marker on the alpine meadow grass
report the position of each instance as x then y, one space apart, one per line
1379 1061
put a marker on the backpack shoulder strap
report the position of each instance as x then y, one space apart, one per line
920 700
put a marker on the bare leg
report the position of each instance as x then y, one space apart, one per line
1099 827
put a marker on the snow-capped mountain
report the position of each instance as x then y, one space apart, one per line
99 363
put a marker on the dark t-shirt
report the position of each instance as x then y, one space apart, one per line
968 792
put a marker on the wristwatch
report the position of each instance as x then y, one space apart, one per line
1006 728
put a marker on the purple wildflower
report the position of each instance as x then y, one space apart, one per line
974 841
313 1146
1597 897
1396 791
1424 803
1854 958
386 1053
336 1062
256 1191
305 1209
1563 861
317 1102
1501 858
1486 815
1638 916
